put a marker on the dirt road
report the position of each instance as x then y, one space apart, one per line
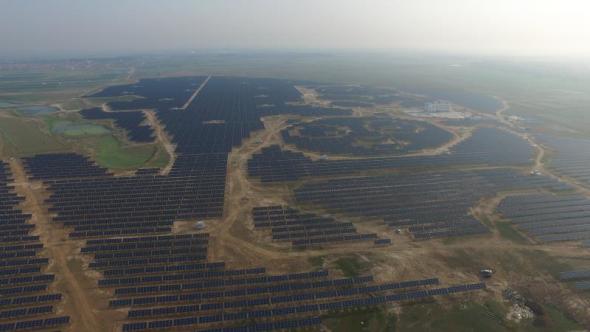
163 139
190 100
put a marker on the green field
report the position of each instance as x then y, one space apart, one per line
474 317
351 266
112 154
508 232
371 320
25 137
77 129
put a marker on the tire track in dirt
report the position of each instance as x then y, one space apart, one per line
163 139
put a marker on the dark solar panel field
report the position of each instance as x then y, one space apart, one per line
429 205
305 230
181 291
154 93
549 218
571 157
26 299
486 147
373 136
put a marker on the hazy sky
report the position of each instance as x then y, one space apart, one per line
509 27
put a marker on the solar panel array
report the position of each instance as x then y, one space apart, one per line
228 109
486 146
580 279
574 275
430 205
62 166
154 93
571 157
366 136
26 301
167 282
131 121
95 203
305 230
164 279
549 218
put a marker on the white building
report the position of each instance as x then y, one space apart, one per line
437 106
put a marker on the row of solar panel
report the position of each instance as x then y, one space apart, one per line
177 277
144 245
17 247
145 261
29 300
292 324
22 312
328 239
21 262
118 232
312 308
317 297
240 292
47 323
215 283
41 278
147 238
164 269
173 251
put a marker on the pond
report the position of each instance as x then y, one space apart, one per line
73 129
37 110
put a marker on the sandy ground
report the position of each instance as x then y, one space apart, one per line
311 97
163 139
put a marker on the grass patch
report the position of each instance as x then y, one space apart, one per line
111 154
160 158
475 317
554 319
373 320
460 317
463 259
351 266
544 262
317 262
74 129
25 137
458 239
509 233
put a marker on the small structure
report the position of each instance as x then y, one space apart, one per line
486 273
535 172
437 106
324 157
382 242
200 225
